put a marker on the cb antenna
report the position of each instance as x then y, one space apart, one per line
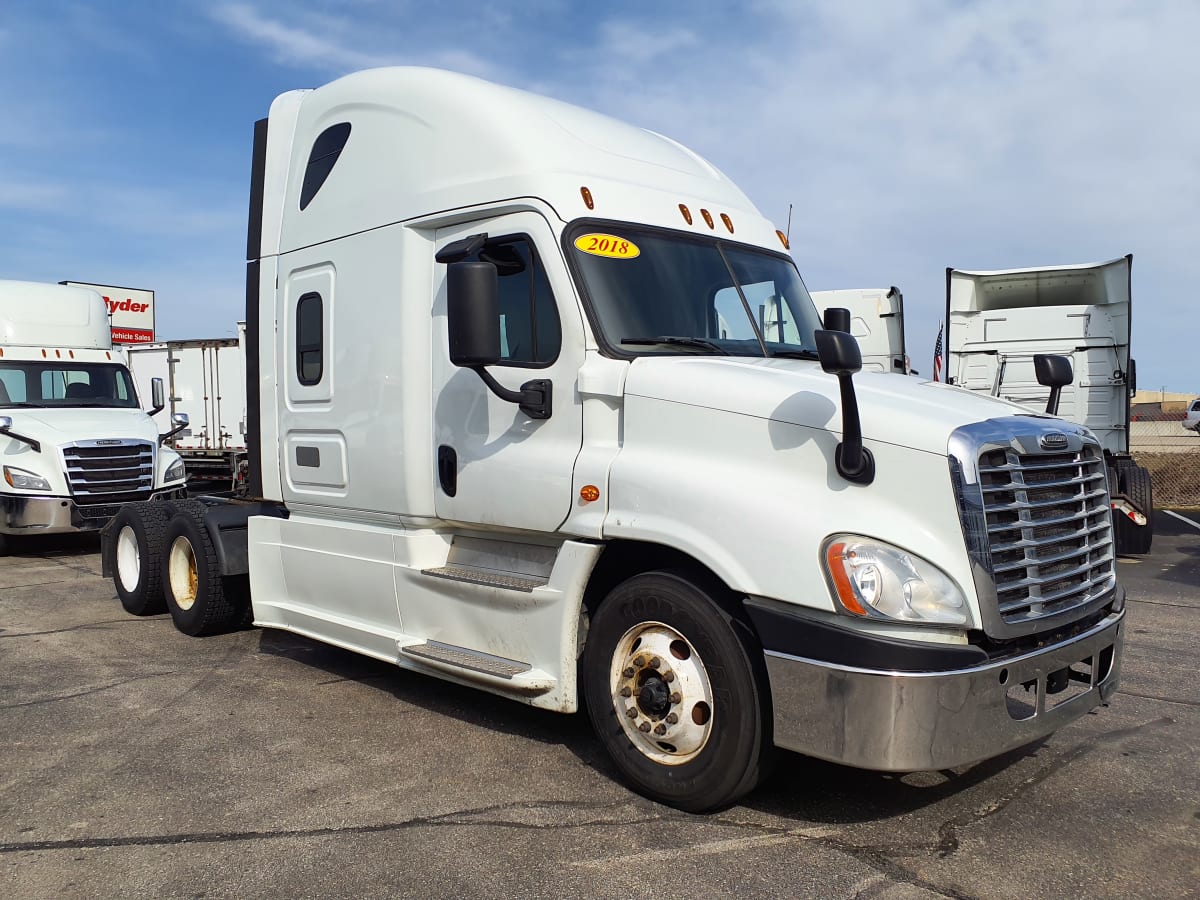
788 233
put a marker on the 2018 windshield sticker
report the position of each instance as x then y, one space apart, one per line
607 245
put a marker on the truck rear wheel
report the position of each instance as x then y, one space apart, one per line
1134 482
674 693
195 590
136 550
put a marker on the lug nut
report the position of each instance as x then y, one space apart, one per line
668 676
627 671
631 712
672 718
645 726
675 697
660 729
640 661
655 662
627 691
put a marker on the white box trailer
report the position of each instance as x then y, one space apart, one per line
997 322
515 421
74 442
206 379
877 323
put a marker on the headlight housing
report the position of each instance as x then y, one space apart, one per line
25 481
175 471
871 579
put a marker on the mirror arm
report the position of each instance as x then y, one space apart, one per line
854 461
36 445
166 436
534 397
1052 402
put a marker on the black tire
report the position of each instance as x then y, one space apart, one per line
1134 483
135 554
719 746
192 579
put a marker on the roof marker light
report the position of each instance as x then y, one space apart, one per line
728 222
107 354
587 198
783 239
43 351
71 353
687 213
58 353
708 219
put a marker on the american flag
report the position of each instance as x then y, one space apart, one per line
937 354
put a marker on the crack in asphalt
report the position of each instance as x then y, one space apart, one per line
84 693
457 819
1163 603
948 842
1192 703
877 858
85 625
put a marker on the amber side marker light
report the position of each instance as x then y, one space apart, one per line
687 213
783 239
708 219
587 198
588 493
728 222
841 581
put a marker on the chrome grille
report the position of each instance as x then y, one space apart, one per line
110 472
1037 522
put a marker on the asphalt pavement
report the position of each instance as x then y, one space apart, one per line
138 762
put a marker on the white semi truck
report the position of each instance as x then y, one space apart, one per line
206 380
74 442
515 422
877 323
998 322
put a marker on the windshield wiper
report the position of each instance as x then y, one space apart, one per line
795 354
23 404
697 343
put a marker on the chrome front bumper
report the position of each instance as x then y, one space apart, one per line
912 721
57 515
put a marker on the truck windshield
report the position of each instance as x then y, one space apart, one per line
655 291
62 383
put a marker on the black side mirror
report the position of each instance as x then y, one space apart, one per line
840 355
473 313
473 326
1052 371
837 319
157 401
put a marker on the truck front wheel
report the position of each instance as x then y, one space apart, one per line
675 694
195 589
137 549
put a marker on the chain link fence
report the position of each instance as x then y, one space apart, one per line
1171 453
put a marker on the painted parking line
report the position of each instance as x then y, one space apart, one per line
1176 515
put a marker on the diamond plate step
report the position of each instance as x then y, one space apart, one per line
463 658
490 577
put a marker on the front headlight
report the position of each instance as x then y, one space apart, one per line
26 481
876 580
175 471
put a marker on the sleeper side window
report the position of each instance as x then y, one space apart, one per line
310 339
530 334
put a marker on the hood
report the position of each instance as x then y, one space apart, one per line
894 409
55 427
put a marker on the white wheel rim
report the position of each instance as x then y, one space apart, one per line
129 559
181 571
661 693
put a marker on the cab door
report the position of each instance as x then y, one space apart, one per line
496 465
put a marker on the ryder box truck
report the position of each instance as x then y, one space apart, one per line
74 443
514 422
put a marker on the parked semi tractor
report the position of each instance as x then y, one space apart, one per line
997 323
877 323
74 441
206 380
515 422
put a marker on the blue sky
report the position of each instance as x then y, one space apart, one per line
909 136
